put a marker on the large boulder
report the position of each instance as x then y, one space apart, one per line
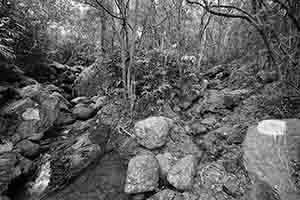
152 132
35 113
93 80
83 112
48 102
181 175
142 174
270 148
28 148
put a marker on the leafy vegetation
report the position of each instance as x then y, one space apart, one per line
152 37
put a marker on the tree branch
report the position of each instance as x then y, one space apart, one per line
245 17
113 14
161 22
234 8
107 11
206 7
127 4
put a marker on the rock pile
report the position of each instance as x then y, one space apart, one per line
26 131
78 148
203 158
180 167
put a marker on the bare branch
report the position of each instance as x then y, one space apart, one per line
234 8
161 22
243 16
107 11
127 5
206 7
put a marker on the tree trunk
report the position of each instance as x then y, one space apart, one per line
132 51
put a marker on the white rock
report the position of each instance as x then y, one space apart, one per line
31 114
272 127
42 181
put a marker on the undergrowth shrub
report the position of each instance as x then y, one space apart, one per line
158 73
274 101
10 33
20 42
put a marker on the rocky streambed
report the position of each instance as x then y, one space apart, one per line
54 147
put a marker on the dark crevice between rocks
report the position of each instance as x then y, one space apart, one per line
164 184
17 188
49 137
53 132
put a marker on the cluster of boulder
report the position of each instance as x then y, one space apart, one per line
24 123
28 126
270 149
64 76
65 148
218 158
171 165
210 95
145 170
